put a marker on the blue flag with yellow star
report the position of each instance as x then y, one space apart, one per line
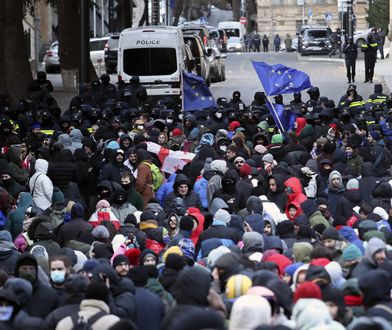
196 94
284 118
280 79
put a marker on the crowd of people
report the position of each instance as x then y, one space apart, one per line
261 229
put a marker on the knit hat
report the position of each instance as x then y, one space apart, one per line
277 138
176 132
263 125
102 204
245 170
234 125
260 149
215 254
268 158
186 223
352 184
331 233
223 216
375 135
118 259
98 291
100 232
133 255
351 252
290 269
174 261
90 265
172 250
58 196
147 215
77 211
307 290
237 285
239 158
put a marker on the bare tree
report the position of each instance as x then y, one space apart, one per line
15 71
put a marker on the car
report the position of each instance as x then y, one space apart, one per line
198 30
217 65
235 33
200 55
215 36
110 53
97 52
51 61
360 37
315 40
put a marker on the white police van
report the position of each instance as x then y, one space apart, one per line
155 54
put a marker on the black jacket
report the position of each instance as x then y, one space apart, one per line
351 52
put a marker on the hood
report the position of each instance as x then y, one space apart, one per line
302 251
295 186
65 140
208 245
76 136
25 200
254 204
280 179
192 286
21 259
22 289
373 245
309 207
382 190
216 204
66 155
348 233
155 208
268 219
181 179
376 287
281 261
314 93
255 221
332 175
301 123
253 242
273 243
41 166
14 155
368 169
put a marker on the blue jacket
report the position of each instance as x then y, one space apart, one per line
165 188
200 188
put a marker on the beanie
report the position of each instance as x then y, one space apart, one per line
237 285
77 211
138 275
118 259
307 290
90 265
100 232
352 184
97 291
223 216
234 125
102 204
174 261
277 138
186 223
268 158
172 250
351 253
147 215
375 135
133 255
245 170
176 132
290 269
331 233
260 149
239 158
57 197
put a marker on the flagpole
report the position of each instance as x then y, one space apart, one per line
182 101
281 129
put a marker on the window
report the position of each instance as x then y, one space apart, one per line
150 61
233 33
317 34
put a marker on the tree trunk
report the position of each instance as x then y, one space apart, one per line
236 10
15 71
69 44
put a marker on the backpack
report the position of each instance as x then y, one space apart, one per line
157 176
81 323
154 246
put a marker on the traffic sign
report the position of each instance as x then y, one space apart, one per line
243 20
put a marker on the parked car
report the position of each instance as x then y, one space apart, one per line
200 55
198 30
97 52
51 61
217 65
360 37
315 40
110 53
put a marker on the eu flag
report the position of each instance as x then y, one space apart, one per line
196 94
279 79
284 118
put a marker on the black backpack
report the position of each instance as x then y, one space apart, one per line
81 323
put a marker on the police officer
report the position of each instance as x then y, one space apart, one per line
351 53
378 97
370 50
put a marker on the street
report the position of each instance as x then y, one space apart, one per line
327 74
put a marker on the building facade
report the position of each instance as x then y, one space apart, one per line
287 16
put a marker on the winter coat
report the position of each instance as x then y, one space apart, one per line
121 211
18 173
135 198
64 170
344 210
334 195
296 197
16 217
382 195
58 314
123 303
73 230
156 287
88 308
368 182
8 256
104 214
144 181
41 187
165 188
279 197
44 298
65 140
41 232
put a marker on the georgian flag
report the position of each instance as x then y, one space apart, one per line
171 160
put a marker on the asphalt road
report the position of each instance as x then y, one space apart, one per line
327 74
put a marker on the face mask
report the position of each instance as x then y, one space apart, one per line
218 115
6 182
28 275
120 201
57 276
126 186
169 121
141 127
6 313
223 148
349 154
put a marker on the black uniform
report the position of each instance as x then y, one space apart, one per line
351 53
370 50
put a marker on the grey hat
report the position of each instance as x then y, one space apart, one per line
268 158
100 232
5 236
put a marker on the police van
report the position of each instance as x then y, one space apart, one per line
155 54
